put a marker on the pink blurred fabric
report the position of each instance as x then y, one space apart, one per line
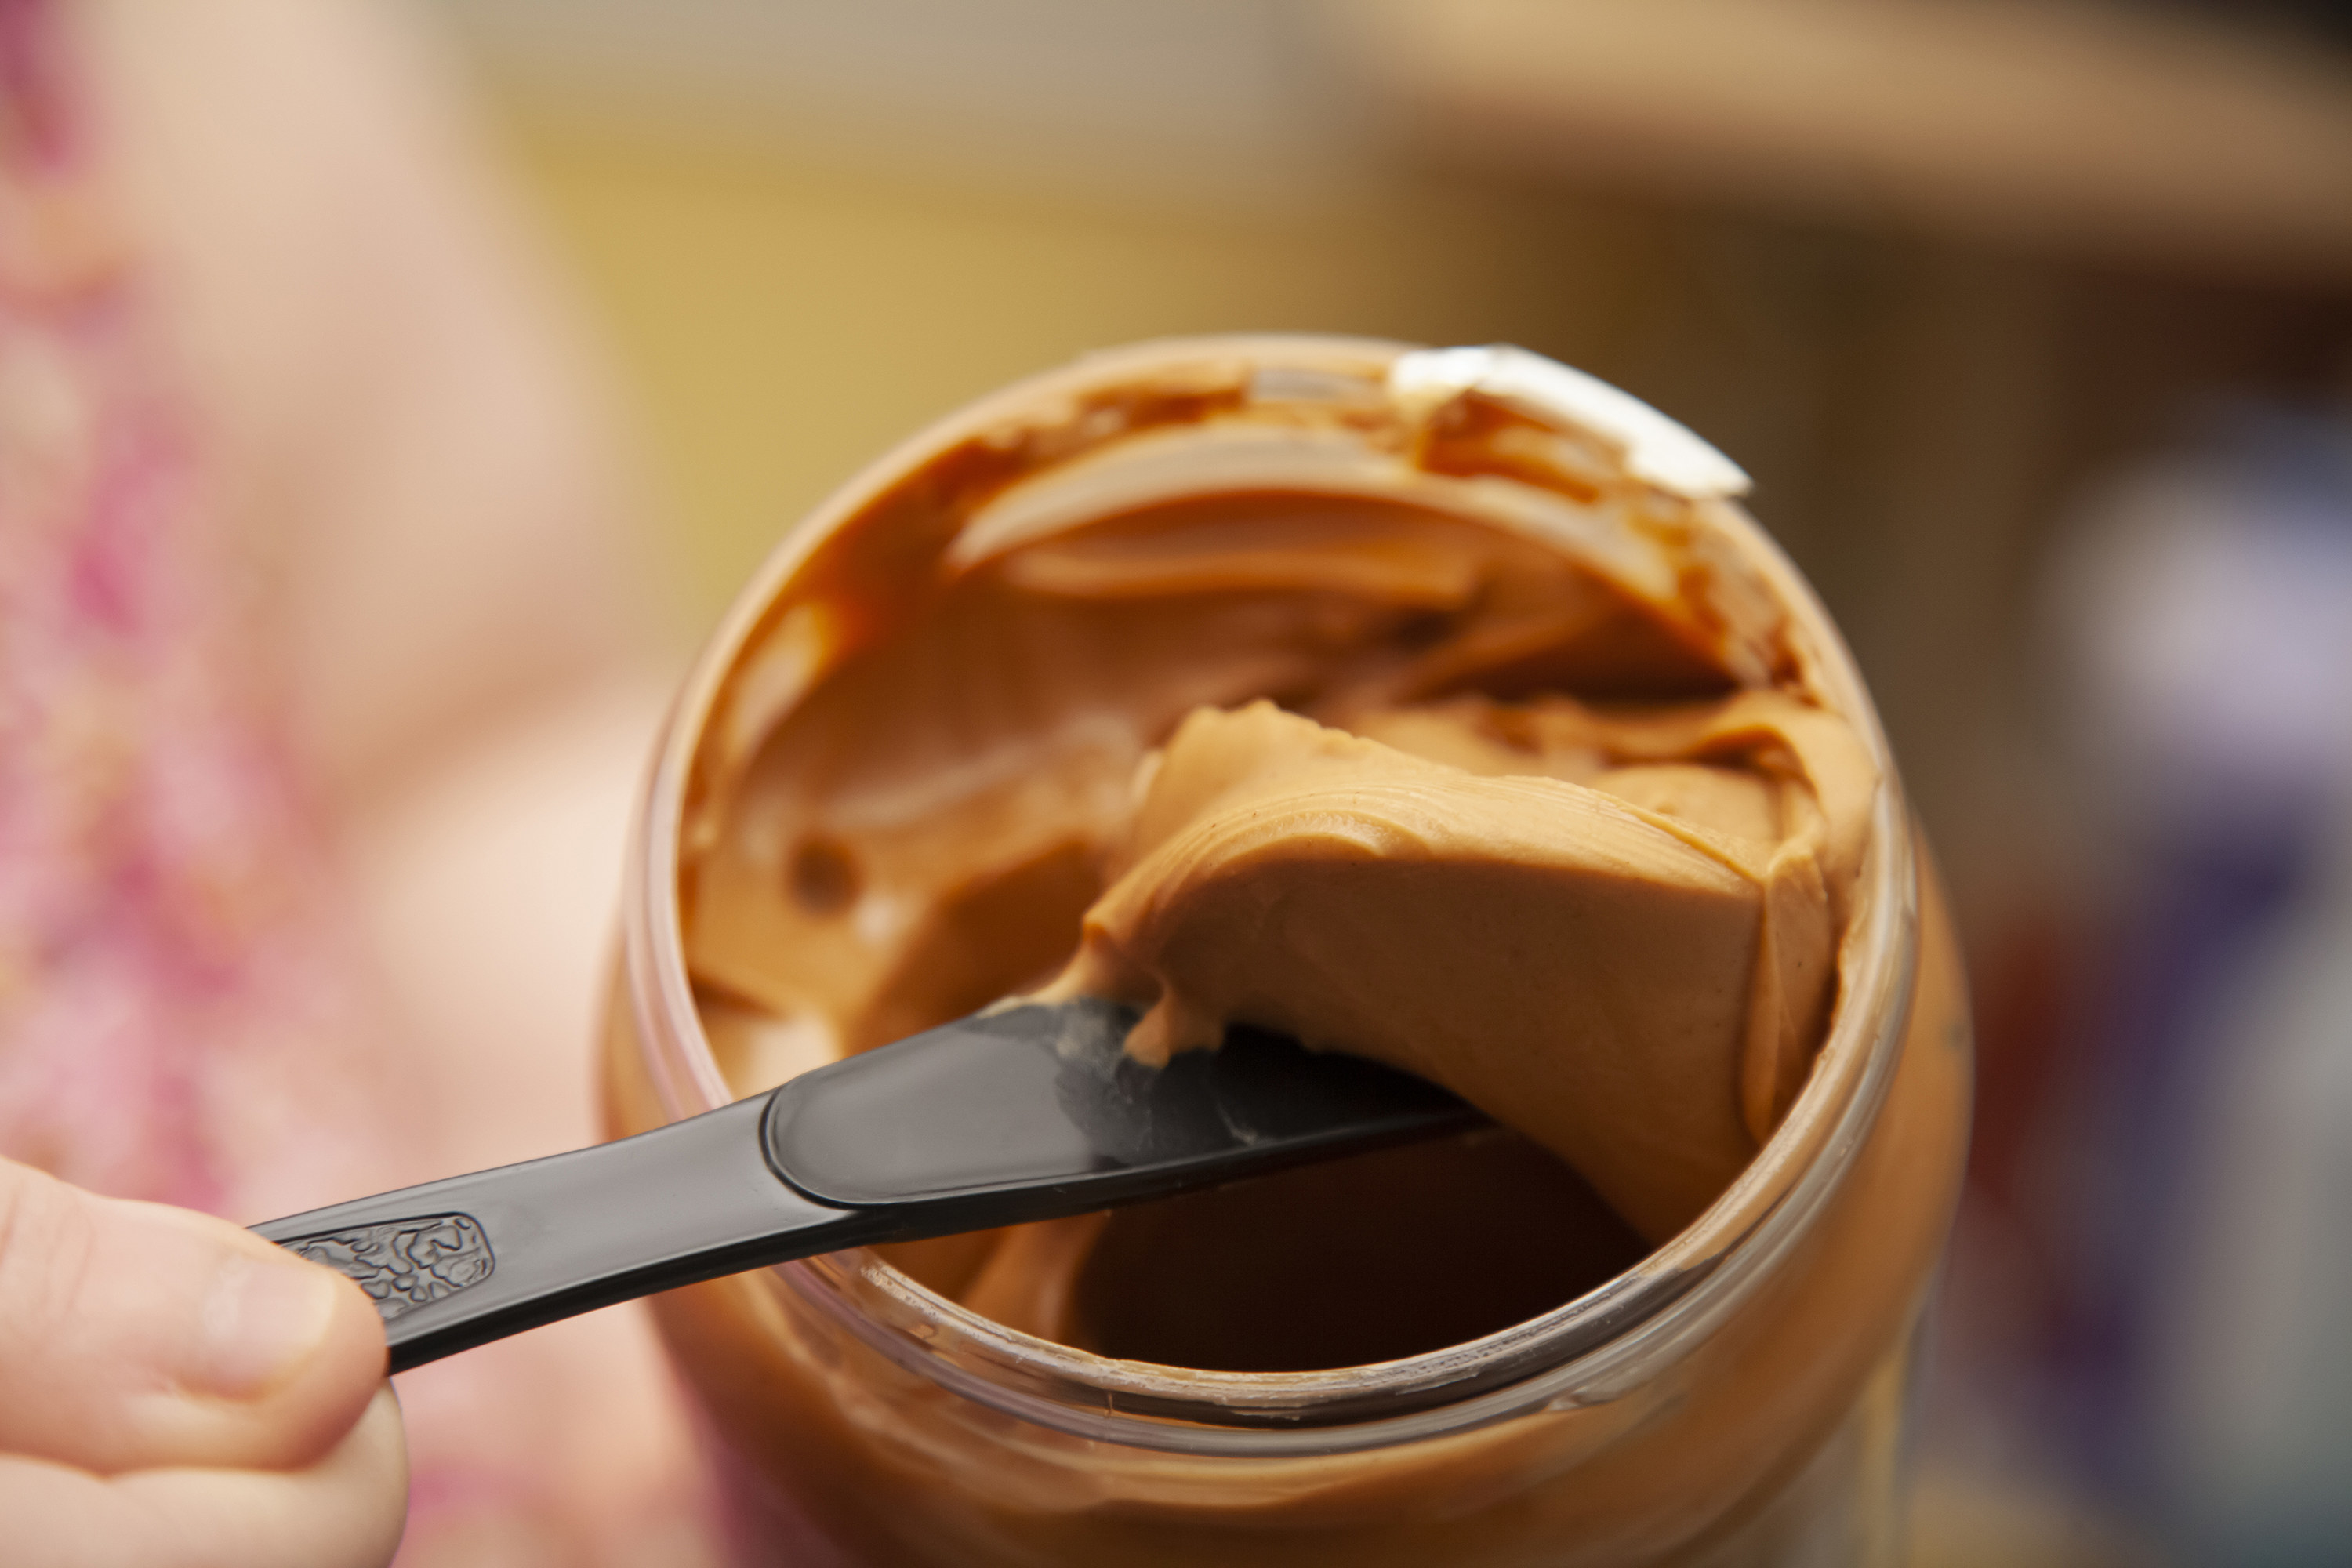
279 537
176 984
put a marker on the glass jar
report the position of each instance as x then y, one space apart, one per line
1738 1396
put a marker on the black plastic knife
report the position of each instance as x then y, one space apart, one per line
1024 1113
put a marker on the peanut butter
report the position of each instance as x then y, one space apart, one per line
1633 970
1364 699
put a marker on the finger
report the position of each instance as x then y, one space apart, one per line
344 1510
134 1335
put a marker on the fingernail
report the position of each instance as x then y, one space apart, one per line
262 1320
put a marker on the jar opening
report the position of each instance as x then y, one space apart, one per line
1500 439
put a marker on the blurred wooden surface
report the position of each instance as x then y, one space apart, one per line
2086 127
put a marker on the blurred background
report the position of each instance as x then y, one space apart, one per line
2033 319
2033 322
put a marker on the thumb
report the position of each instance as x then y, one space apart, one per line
134 1335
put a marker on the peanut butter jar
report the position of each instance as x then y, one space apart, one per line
881 802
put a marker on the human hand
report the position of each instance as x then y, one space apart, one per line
176 1392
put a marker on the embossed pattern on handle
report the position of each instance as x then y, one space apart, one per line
404 1264
454 1263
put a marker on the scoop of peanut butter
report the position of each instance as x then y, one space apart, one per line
1615 933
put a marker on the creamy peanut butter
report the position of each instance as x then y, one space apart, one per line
1369 701
1545 851
1634 969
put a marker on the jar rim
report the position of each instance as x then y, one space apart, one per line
1587 1351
